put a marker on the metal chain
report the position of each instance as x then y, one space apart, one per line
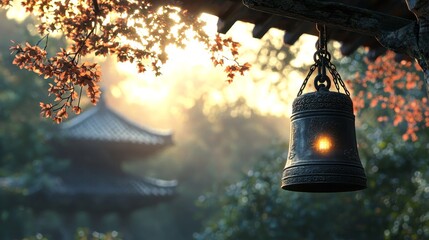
337 78
322 60
312 68
334 77
337 86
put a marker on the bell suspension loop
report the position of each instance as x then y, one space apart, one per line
322 57
322 61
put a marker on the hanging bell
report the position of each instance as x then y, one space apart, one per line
323 154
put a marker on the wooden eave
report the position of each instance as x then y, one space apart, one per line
392 14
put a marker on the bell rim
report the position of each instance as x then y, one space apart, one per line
324 187
324 177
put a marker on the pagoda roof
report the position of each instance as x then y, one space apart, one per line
96 192
102 124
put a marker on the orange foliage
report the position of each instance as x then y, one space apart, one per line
100 27
393 85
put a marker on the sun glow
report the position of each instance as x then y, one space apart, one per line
17 12
189 74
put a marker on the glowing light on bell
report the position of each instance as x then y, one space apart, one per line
323 144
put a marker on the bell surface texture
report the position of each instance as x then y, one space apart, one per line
323 155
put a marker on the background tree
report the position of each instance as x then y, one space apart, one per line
24 154
134 31
395 91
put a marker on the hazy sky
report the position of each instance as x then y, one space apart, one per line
189 73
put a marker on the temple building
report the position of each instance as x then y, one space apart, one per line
97 142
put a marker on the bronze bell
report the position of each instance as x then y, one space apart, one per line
323 154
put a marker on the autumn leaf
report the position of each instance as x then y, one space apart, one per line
102 28
396 94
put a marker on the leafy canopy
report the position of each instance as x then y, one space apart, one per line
396 91
137 31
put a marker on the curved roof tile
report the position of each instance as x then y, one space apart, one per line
103 124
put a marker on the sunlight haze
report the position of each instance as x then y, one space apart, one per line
189 74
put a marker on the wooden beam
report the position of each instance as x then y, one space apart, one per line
333 14
293 34
226 21
349 47
374 53
290 37
262 28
